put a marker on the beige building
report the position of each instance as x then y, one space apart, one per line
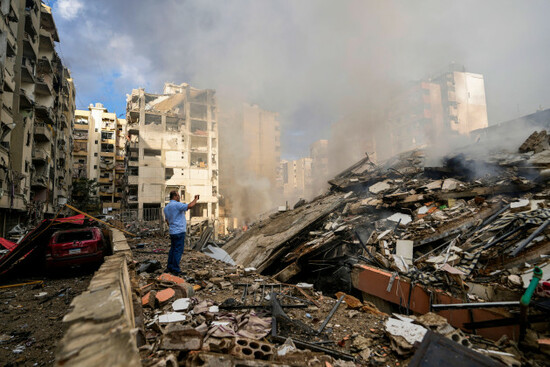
296 179
318 152
463 100
99 154
173 145
262 142
37 109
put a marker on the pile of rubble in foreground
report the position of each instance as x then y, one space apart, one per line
222 315
413 237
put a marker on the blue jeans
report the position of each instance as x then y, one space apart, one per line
176 250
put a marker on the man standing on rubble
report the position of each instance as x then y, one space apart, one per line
174 213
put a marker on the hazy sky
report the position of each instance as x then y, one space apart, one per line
311 61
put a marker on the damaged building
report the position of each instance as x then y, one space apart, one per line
99 154
38 103
172 145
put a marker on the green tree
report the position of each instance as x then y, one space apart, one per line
84 196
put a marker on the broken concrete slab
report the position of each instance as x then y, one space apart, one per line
379 187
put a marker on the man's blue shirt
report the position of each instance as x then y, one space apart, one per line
174 212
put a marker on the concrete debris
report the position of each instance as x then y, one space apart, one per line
399 236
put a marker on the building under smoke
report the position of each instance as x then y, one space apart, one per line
172 145
296 179
250 153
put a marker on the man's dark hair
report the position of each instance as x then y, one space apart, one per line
173 194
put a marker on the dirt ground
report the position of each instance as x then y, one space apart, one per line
31 315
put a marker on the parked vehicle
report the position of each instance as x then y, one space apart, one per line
76 247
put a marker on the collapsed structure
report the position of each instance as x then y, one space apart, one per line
415 237
172 145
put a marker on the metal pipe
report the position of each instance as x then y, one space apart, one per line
315 348
330 314
522 245
462 306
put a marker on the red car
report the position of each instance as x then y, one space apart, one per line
76 247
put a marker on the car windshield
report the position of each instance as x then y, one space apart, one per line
74 236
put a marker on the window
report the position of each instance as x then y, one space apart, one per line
96 140
95 154
133 171
168 173
151 152
95 166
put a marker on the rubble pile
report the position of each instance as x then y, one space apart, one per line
218 314
469 229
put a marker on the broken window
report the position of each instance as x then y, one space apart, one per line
107 135
200 210
198 111
168 173
152 119
199 127
107 148
199 160
172 123
80 134
151 152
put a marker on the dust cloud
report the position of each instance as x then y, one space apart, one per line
329 68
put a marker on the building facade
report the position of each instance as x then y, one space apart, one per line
296 179
99 154
262 143
318 152
172 145
37 110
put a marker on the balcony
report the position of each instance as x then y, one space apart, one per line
105 180
44 113
40 155
27 71
42 132
44 85
9 73
39 181
30 46
34 24
132 180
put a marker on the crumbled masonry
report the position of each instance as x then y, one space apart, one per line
397 242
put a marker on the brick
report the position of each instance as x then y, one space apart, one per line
165 277
165 295
351 301
145 299
185 290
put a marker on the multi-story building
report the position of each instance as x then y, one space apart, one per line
262 142
296 178
463 99
99 154
414 119
173 145
36 115
318 152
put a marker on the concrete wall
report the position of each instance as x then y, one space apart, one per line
102 326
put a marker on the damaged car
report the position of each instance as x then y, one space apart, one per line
76 247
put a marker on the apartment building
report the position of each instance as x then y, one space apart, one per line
99 154
37 109
296 178
318 152
173 145
463 99
262 142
